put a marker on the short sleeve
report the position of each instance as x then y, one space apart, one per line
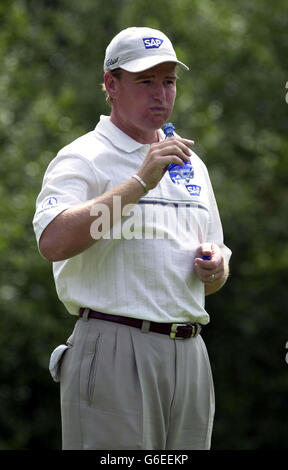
69 180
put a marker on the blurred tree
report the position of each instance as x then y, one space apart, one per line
232 102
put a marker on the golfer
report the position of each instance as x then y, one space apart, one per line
134 253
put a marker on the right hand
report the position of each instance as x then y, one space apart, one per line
161 154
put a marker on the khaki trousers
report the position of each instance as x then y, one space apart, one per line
122 388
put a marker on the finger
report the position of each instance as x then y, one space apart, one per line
182 144
206 264
166 160
207 249
211 268
187 142
212 278
177 150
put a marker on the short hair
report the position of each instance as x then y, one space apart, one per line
117 74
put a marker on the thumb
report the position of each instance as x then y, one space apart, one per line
206 249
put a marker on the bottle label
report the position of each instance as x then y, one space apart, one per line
178 174
181 174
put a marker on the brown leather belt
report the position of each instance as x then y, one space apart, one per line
174 330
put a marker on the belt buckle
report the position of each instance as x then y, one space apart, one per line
195 330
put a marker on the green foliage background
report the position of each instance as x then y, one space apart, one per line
233 102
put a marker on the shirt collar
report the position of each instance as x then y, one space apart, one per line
118 138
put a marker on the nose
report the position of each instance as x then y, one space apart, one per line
158 91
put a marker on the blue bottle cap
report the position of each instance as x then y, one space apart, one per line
168 129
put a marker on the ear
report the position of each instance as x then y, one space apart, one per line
110 84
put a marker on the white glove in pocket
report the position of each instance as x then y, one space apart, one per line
55 361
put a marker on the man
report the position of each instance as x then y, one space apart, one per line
128 246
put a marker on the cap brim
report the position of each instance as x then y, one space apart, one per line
145 63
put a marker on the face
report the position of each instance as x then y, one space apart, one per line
143 102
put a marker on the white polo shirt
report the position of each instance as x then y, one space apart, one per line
143 266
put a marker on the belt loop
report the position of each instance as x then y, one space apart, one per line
85 314
145 326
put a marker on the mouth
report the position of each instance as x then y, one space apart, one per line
158 109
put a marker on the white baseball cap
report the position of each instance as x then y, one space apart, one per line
136 49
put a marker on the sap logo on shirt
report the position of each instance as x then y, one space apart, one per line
193 189
152 43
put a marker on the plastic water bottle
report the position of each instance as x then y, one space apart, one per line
178 172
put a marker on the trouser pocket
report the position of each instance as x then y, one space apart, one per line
92 366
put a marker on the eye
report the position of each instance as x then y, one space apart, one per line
169 82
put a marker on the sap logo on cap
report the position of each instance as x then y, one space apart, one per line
152 43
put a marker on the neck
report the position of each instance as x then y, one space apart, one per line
140 135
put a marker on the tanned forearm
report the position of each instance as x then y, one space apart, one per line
70 232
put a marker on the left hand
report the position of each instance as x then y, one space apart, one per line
211 270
